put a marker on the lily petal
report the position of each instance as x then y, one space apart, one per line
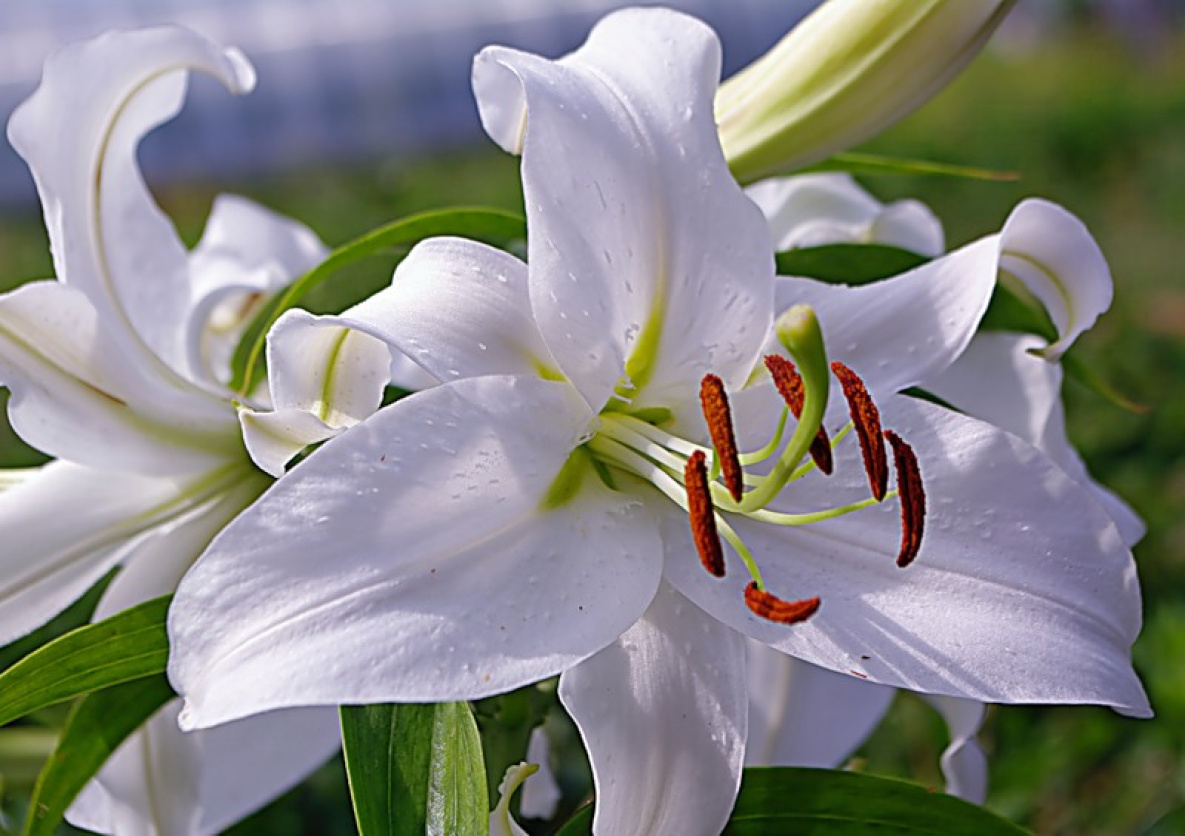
662 712
397 602
323 377
998 380
963 763
804 715
1030 600
246 253
79 132
61 362
942 300
813 210
1054 255
163 780
541 794
644 253
68 526
458 309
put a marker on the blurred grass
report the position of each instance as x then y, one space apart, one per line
1087 125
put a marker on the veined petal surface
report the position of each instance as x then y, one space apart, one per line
662 711
79 132
645 255
1023 592
422 556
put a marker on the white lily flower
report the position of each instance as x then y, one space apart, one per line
527 517
114 370
813 210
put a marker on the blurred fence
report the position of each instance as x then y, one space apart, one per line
338 79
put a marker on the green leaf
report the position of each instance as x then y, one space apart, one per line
1009 310
415 769
876 164
825 802
491 226
580 824
814 802
99 723
505 723
127 646
847 263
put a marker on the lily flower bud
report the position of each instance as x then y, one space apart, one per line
846 72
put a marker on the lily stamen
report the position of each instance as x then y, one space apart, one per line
867 420
708 483
702 515
719 420
789 384
769 606
913 498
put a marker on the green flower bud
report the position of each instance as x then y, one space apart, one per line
849 70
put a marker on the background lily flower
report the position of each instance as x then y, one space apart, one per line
113 370
813 210
525 519
842 75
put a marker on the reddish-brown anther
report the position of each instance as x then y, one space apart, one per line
912 496
770 606
789 384
719 419
867 421
702 515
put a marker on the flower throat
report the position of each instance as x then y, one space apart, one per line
708 483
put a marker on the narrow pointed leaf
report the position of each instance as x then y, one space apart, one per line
822 801
876 164
415 769
1089 377
96 727
127 646
847 263
492 226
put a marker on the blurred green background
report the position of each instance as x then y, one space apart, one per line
1088 121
